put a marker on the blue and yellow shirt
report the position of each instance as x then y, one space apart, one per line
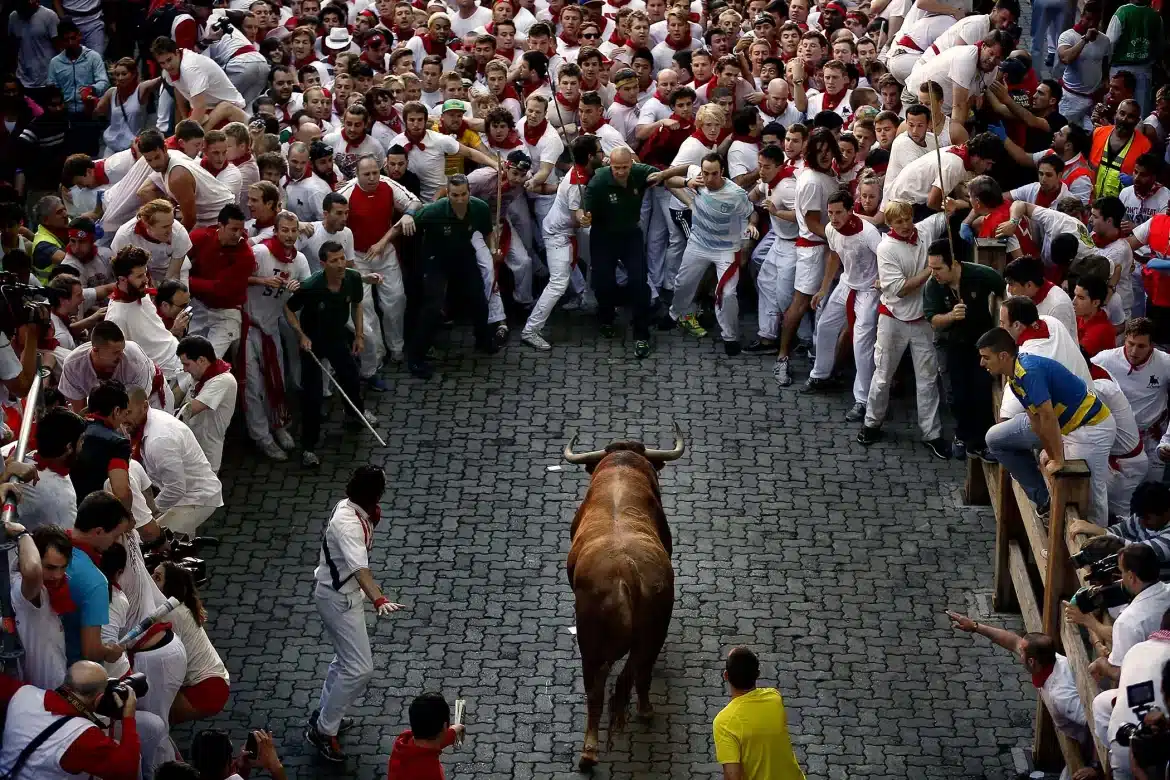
1037 379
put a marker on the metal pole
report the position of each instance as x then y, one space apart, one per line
356 411
10 649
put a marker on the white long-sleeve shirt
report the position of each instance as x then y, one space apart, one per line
175 462
898 261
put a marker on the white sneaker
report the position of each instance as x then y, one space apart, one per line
284 439
535 340
371 418
271 451
310 459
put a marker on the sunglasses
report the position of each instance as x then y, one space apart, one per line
590 36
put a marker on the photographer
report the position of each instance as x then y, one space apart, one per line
1139 690
50 734
1148 523
211 755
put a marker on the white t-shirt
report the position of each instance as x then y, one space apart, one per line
346 155
903 152
1084 74
203 662
40 630
624 119
348 537
558 225
265 305
310 246
691 152
969 30
1050 223
1143 663
813 189
461 26
210 426
175 462
160 254
858 254
783 196
306 197
1064 701
199 75
816 104
547 149
918 175
51 500
653 111
958 65
742 158
429 163
141 324
78 376
1137 621
119 613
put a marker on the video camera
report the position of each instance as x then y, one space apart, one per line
22 303
1148 741
117 689
183 552
1093 597
1103 568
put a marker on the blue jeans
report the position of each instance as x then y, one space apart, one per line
1014 444
1047 21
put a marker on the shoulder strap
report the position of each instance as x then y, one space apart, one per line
334 574
35 745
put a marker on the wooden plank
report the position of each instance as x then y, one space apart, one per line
1070 487
1078 662
1025 595
1036 534
991 481
975 490
1007 529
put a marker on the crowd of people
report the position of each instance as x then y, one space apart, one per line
224 203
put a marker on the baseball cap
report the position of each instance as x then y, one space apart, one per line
519 160
319 149
454 105
762 18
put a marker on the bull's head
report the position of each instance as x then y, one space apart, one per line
656 457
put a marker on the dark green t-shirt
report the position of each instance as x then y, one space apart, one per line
612 206
976 284
442 231
324 313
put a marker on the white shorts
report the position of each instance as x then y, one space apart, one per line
810 269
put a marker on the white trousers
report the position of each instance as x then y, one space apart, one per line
1157 467
519 262
390 298
164 667
186 519
774 286
219 326
893 338
487 269
679 235
832 317
257 405
343 616
1091 443
690 275
249 77
1078 110
1118 755
1123 480
656 218
559 255
902 63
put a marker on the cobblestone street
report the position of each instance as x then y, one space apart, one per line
834 563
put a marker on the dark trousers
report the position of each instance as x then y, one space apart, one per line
436 272
607 249
339 353
968 389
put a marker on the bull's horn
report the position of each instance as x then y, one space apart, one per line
583 458
664 456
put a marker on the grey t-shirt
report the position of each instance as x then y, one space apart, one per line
36 36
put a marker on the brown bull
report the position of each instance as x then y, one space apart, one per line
619 568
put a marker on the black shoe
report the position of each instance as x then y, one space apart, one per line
805 349
607 331
982 454
420 369
732 348
856 413
346 723
813 386
940 447
869 436
329 748
641 349
764 346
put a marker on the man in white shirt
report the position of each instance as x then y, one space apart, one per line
161 236
174 460
1084 51
427 150
50 498
623 112
1025 276
343 583
280 269
132 309
109 355
1143 373
909 146
902 273
352 142
963 72
200 85
331 227
209 405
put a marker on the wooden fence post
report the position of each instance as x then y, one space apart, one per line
1008 528
991 252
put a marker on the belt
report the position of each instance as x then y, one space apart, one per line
808 242
933 48
1067 88
883 310
242 50
1138 450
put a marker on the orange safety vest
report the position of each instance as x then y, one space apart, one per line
1109 174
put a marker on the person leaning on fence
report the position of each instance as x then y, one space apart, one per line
1051 674
1063 417
1148 523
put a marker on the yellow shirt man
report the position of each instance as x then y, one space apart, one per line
752 732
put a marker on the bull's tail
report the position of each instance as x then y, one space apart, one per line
619 701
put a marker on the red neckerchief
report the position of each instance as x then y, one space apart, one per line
596 127
508 54
631 45
214 370
1100 242
298 64
459 131
378 65
589 86
853 227
1081 28
511 141
1040 676
763 107
532 135
388 23
527 88
570 106
100 178
701 138
93 554
279 251
44 465
911 238
207 166
432 46
550 52
330 178
394 122
830 102
579 174
241 160
1042 293
509 91
618 99
1044 200
1037 330
744 139
684 44
60 599
1161 635
568 42
402 35
116 294
350 142
415 143
693 17
961 153
616 37
1146 195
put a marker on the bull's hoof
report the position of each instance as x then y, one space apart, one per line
587 762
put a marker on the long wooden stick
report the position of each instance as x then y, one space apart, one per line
557 105
942 182
500 174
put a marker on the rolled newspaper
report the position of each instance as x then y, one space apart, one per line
460 704
135 633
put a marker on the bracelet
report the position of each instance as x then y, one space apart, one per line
380 601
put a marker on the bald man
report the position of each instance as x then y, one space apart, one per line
777 105
657 108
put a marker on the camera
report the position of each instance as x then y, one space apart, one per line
117 689
1090 556
1093 597
223 25
21 303
1148 741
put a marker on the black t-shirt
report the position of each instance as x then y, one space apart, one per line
102 450
1038 140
